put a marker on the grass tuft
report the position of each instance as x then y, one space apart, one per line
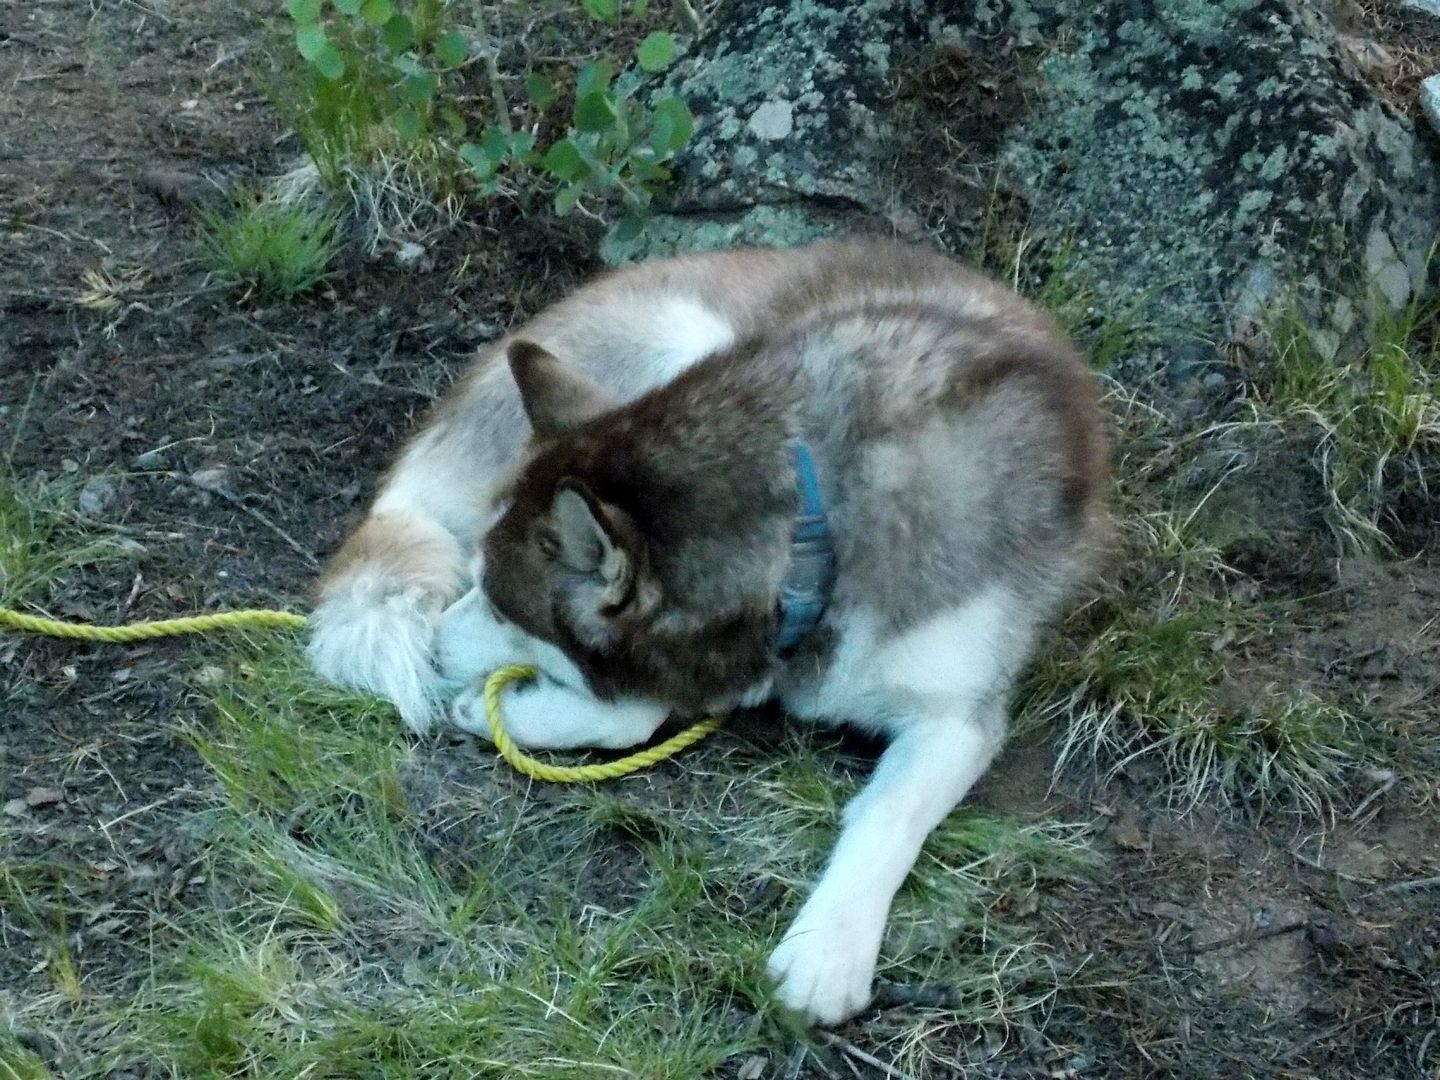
269 247
1373 423
1171 669
38 539
18 1063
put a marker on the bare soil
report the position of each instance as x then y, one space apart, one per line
1206 946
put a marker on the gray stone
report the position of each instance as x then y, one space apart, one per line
1205 157
1429 7
1430 100
1269 160
98 496
773 120
672 234
1384 267
788 98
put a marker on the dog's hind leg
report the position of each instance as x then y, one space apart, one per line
383 593
548 716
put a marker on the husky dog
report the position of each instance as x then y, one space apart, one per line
851 478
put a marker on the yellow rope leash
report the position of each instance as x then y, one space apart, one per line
195 624
258 617
577 774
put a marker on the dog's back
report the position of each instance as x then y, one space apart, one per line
963 432
902 345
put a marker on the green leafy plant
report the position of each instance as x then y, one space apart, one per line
616 142
371 68
271 247
386 76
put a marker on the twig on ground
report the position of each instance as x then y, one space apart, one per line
924 995
845 1046
1387 781
106 826
1251 938
1407 886
239 504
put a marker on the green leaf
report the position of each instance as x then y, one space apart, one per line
478 160
595 112
304 11
656 51
594 76
605 178
407 124
349 7
418 89
607 11
376 12
540 90
646 171
628 228
330 63
521 144
566 198
451 48
662 130
639 8
398 34
673 120
315 47
454 122
310 39
496 144
564 162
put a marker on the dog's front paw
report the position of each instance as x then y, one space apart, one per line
467 710
537 714
824 966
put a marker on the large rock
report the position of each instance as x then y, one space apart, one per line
1205 155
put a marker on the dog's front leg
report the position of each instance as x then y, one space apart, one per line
826 961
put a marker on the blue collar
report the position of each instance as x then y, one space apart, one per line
805 591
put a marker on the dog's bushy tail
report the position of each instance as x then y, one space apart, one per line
380 601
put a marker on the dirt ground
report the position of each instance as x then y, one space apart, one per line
247 439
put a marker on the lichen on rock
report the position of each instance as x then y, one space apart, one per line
1205 139
1204 155
789 101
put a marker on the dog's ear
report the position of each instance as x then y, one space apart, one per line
594 538
556 396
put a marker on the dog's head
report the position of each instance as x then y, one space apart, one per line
628 548
566 563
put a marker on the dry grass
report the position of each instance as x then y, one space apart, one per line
1397 48
1168 664
41 539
